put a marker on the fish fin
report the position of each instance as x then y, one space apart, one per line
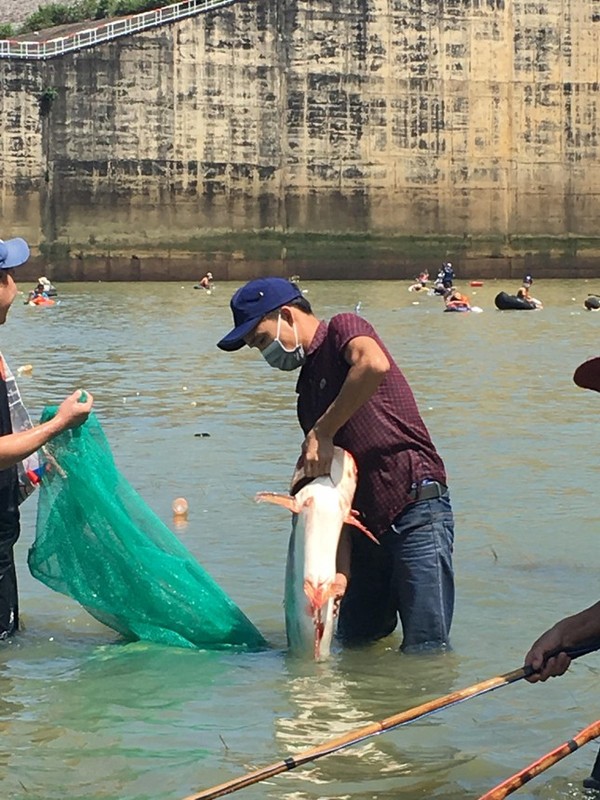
339 585
319 595
313 594
352 519
284 500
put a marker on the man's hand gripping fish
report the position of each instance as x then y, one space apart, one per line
313 586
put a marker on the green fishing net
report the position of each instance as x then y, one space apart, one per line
98 542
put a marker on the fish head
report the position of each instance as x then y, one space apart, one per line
343 475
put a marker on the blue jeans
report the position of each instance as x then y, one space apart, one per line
409 575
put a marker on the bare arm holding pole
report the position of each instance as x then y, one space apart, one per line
570 632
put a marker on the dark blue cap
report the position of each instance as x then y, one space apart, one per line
527 280
13 253
250 304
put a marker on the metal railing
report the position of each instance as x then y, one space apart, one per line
106 31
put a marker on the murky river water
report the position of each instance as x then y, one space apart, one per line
84 717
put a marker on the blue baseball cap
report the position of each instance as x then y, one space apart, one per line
250 304
13 253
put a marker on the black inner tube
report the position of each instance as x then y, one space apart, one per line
510 302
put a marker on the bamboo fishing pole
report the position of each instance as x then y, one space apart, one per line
519 779
374 728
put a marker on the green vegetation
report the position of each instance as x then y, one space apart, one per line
46 98
55 251
64 14
268 244
296 246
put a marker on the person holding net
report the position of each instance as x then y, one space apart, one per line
19 440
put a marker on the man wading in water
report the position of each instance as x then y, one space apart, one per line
352 394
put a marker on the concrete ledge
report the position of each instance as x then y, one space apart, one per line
230 266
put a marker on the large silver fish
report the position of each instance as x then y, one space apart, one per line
313 586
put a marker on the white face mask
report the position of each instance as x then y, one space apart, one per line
278 356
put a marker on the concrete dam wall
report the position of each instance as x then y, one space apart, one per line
333 138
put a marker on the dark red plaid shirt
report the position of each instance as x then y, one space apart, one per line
386 436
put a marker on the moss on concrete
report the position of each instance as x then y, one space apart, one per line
272 245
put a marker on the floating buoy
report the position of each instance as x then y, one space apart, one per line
26 369
180 510
180 506
476 283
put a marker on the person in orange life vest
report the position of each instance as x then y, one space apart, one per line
454 299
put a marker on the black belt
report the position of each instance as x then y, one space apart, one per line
427 491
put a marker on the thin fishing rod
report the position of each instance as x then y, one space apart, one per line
375 728
519 779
